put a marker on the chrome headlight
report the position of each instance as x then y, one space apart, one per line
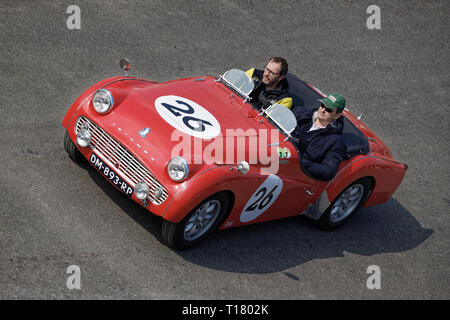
141 190
178 169
102 101
84 138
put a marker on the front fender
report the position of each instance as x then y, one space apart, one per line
99 85
208 182
84 97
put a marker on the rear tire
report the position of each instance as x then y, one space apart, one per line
346 204
198 224
72 150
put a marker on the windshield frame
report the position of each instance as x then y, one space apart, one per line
224 80
274 120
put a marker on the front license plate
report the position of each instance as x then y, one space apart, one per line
111 175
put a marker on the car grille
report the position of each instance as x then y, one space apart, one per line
124 162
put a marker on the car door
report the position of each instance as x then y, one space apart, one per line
298 189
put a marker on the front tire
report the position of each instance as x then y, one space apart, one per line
72 150
198 224
346 204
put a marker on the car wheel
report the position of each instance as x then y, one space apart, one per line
72 150
198 224
346 204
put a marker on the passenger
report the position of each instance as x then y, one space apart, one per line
271 84
320 134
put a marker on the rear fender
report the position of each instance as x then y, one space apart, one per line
386 176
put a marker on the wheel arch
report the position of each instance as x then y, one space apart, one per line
360 168
211 181
232 199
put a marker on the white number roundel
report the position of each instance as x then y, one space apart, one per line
262 198
187 116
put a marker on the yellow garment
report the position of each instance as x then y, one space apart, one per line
287 102
249 72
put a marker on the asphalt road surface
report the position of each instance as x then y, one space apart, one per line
55 213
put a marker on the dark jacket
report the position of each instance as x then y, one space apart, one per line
321 150
280 94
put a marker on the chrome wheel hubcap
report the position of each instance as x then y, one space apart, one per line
202 219
346 203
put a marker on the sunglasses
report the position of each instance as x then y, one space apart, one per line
327 109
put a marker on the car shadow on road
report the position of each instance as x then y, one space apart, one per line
279 245
148 221
276 246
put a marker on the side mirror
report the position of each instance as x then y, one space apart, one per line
125 65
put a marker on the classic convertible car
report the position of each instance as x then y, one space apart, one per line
198 153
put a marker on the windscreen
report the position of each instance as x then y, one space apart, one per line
283 117
239 80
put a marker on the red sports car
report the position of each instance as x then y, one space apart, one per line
198 153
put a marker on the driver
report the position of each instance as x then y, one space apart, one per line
271 83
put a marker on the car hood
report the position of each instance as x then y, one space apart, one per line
151 121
